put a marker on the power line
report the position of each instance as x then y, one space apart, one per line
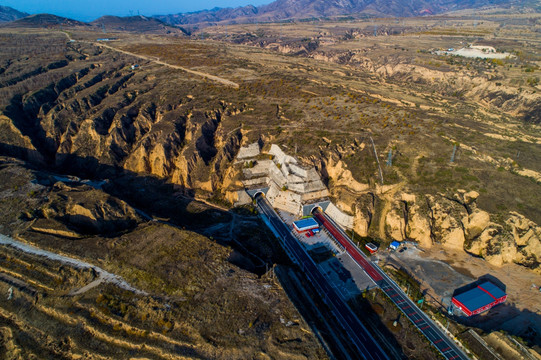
376 155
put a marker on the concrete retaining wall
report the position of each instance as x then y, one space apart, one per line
295 169
280 156
340 217
314 195
243 198
249 151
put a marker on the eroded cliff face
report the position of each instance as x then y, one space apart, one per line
455 222
452 220
104 118
463 83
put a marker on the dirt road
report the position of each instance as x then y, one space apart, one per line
103 275
156 61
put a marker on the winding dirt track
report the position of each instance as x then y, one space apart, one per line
154 60
103 275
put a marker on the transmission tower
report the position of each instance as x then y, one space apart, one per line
390 158
454 153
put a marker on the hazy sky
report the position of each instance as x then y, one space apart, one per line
87 10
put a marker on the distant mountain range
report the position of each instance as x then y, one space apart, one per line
275 11
44 20
137 23
10 14
306 9
106 23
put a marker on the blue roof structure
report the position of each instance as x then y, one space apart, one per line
493 289
305 224
482 295
395 244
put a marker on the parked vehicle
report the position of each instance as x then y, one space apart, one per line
371 247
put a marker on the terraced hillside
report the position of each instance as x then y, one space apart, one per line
82 108
413 143
143 289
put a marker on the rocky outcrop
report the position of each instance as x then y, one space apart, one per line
418 223
475 223
364 213
395 222
455 222
84 210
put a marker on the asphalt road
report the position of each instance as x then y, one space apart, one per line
447 347
368 348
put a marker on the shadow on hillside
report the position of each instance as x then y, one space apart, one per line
173 204
158 200
524 324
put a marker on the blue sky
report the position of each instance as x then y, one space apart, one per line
87 10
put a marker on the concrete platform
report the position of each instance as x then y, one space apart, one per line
340 278
363 281
347 277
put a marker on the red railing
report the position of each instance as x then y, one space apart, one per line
350 248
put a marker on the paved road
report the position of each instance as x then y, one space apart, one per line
430 330
368 348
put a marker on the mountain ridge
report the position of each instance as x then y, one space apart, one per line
44 20
138 23
9 14
305 9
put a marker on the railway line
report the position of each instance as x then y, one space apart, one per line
368 348
446 346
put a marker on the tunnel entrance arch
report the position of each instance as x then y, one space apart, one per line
259 193
308 209
316 207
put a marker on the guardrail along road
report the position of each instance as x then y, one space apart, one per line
447 347
368 348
